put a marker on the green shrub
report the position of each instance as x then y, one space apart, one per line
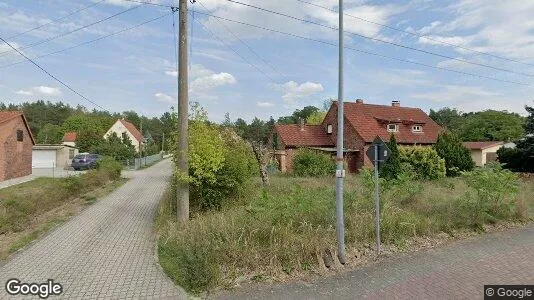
425 161
494 194
220 163
308 162
457 157
110 166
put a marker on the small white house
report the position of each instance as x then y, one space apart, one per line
483 152
122 128
52 156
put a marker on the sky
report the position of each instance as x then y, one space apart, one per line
247 71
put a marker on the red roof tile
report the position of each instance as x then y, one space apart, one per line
69 137
481 145
6 116
133 130
9 115
371 120
309 135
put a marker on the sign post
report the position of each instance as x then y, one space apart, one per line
378 154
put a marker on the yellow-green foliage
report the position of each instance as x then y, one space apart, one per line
206 152
423 161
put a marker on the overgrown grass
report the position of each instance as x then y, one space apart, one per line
286 227
21 203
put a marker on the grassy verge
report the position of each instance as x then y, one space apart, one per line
31 209
285 229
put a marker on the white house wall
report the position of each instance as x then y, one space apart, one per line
118 128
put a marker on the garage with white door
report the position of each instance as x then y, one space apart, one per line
52 156
44 158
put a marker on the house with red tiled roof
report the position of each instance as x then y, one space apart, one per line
16 142
363 123
483 152
69 138
123 128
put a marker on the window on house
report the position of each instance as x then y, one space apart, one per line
124 135
329 128
20 135
417 128
71 153
392 127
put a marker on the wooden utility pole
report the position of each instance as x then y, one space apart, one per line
183 101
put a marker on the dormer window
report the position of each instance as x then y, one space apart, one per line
329 128
392 128
417 128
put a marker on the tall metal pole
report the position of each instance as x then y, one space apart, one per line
340 173
377 202
183 101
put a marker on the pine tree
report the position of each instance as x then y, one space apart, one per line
457 157
392 168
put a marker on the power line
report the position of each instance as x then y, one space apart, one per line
72 31
379 40
90 41
346 47
54 77
245 44
361 51
56 20
418 35
236 53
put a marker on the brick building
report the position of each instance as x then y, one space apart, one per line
363 123
16 143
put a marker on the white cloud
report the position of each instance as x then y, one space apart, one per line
454 94
292 90
162 97
40 91
171 73
400 77
123 3
4 47
490 26
24 93
212 81
264 104
374 13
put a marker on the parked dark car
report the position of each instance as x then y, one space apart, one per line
85 161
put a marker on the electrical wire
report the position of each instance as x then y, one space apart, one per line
363 51
236 53
245 44
70 32
418 35
333 44
52 76
56 20
379 40
89 42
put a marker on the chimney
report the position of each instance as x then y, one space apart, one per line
360 101
301 124
395 103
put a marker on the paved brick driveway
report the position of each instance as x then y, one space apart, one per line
456 271
107 251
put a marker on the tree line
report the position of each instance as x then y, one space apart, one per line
49 121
